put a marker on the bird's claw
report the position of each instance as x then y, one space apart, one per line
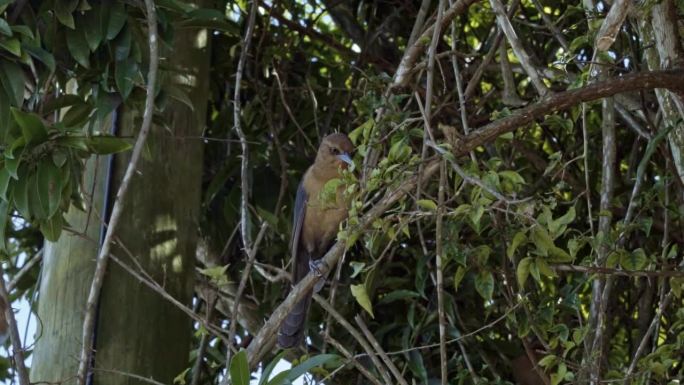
315 266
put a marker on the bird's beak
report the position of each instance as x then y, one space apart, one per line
345 158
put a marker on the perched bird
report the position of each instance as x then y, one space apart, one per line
315 225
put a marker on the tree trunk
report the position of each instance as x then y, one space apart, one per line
138 332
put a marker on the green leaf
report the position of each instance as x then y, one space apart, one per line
313 362
427 204
458 277
38 204
117 19
63 10
4 183
328 194
544 268
397 295
635 260
364 129
5 28
523 270
61 102
518 239
39 53
32 127
484 284
4 217
12 46
357 267
94 23
20 196
361 295
77 115
78 46
558 226
558 255
49 185
12 78
239 369
125 74
280 378
541 238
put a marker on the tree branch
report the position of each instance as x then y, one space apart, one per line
670 79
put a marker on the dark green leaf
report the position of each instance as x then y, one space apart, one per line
4 183
125 74
32 127
52 228
61 102
484 284
49 185
117 19
12 46
104 145
5 28
77 115
398 295
78 46
63 10
94 24
4 218
20 196
42 55
13 82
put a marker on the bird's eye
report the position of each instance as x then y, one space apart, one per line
334 151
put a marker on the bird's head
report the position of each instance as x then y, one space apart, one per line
334 153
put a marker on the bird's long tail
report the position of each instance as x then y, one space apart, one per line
292 330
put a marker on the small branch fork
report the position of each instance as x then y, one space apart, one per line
117 210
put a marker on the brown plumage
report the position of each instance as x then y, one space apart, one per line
315 226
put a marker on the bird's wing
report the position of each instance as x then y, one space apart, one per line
297 224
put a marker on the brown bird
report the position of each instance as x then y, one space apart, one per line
315 226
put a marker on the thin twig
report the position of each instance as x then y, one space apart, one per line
130 375
18 350
651 328
473 180
204 341
102 258
461 337
617 272
378 349
362 369
517 46
24 270
244 167
357 336
439 239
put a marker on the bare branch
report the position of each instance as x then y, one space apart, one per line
611 24
378 349
670 79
